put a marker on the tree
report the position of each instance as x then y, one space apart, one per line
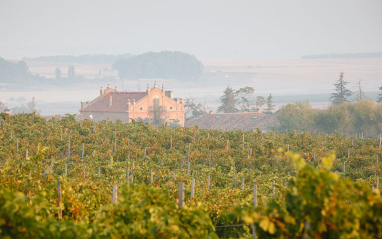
29 108
194 110
342 93
2 107
228 101
31 105
270 105
71 73
379 99
58 73
260 101
244 98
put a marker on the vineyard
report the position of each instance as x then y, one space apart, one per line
66 179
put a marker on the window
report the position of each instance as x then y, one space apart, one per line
171 108
141 108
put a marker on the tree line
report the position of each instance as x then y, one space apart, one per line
342 116
165 64
82 59
232 101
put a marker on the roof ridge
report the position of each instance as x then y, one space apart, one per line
237 113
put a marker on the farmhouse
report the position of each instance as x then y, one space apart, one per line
155 105
235 121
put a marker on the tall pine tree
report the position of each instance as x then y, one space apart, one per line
342 93
270 105
379 99
228 101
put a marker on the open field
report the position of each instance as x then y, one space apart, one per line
286 80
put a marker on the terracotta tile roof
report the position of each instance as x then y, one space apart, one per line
234 121
119 102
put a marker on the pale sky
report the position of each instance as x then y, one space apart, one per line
210 30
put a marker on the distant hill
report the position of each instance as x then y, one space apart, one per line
344 56
83 59
165 64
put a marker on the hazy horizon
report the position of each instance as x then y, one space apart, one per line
210 30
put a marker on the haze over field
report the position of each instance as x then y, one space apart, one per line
240 43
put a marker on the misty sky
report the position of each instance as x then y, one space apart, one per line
211 30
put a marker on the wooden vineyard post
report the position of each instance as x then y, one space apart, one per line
242 184
66 170
209 160
158 175
83 148
288 148
273 188
348 153
99 171
188 168
250 152
255 205
234 181
127 176
227 144
344 170
208 135
287 181
115 144
61 134
378 183
17 144
181 195
68 145
26 154
128 142
44 176
59 199
11 135
151 176
144 156
189 146
208 182
170 141
115 189
51 165
132 178
173 177
192 188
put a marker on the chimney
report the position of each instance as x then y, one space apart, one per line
102 91
211 112
110 101
259 111
116 89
